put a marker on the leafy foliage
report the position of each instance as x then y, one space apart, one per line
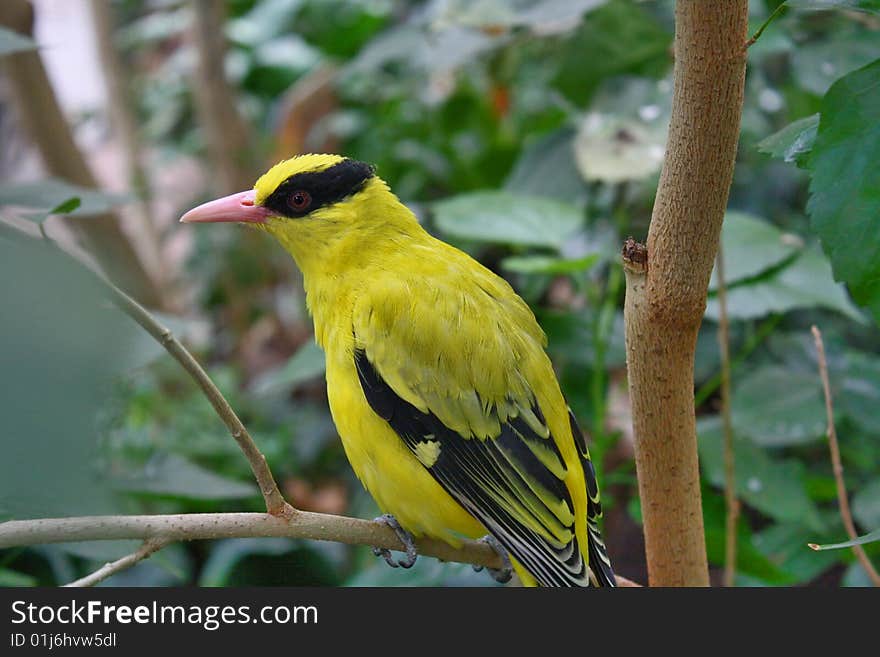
845 189
794 142
860 5
507 218
529 134
872 537
72 373
53 196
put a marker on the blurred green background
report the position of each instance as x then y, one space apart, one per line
529 134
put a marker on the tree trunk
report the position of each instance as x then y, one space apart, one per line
123 120
667 285
227 135
41 115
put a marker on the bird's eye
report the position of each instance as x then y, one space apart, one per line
299 200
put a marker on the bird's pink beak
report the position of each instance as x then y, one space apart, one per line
235 207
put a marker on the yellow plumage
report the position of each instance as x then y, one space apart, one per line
439 385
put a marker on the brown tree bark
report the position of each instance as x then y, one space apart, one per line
226 133
303 106
667 284
123 120
42 117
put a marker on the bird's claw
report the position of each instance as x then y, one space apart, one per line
405 537
501 575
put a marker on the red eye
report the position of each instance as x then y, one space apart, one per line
300 200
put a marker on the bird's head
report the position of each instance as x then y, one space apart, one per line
315 205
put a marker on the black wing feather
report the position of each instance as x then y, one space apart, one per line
470 470
599 561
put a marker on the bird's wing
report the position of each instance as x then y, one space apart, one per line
449 371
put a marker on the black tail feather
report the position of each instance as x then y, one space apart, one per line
600 564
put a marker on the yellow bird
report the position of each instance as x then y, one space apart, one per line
446 402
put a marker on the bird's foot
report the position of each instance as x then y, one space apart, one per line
405 537
501 575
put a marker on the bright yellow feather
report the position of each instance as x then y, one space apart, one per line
452 340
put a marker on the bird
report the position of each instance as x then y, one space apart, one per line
438 380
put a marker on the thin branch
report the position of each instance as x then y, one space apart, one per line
757 35
282 520
146 550
226 132
198 526
44 121
731 503
125 127
275 503
843 500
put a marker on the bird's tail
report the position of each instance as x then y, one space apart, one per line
599 562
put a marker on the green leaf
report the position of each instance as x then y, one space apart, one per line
505 218
751 247
816 66
619 38
544 17
66 207
775 408
546 167
14 578
866 505
269 562
872 6
750 561
794 142
54 196
855 384
844 203
428 52
12 42
571 340
785 545
264 22
541 264
306 364
174 476
857 394
872 537
805 283
226 554
61 345
775 487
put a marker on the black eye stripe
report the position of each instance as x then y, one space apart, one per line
325 187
